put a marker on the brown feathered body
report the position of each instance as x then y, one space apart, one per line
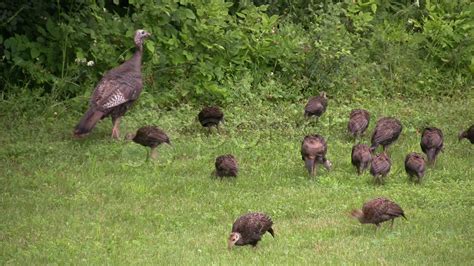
151 136
432 143
316 105
313 152
380 166
361 157
249 229
387 130
226 165
210 116
377 211
415 166
358 122
115 92
468 134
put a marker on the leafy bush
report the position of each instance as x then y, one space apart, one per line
217 51
448 31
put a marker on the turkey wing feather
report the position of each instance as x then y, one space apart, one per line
113 91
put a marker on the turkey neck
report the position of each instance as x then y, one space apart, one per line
136 60
131 67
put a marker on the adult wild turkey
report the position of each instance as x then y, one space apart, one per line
431 143
316 105
379 167
387 130
226 165
361 157
468 134
116 92
249 229
377 211
149 136
415 166
358 122
211 116
313 151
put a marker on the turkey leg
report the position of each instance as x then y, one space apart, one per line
147 155
377 226
154 153
313 169
115 129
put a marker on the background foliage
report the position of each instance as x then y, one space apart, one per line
94 200
217 51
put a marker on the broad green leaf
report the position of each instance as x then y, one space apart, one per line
189 13
42 31
150 46
273 19
52 29
10 42
80 54
189 56
34 52
374 8
155 59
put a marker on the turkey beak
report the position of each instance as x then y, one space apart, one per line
372 150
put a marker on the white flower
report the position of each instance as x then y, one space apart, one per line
90 63
80 60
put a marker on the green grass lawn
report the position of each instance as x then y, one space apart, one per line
96 201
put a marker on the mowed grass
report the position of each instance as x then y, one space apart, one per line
96 201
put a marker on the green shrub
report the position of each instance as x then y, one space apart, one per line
448 31
224 52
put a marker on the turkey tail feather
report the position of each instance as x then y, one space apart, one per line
88 121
